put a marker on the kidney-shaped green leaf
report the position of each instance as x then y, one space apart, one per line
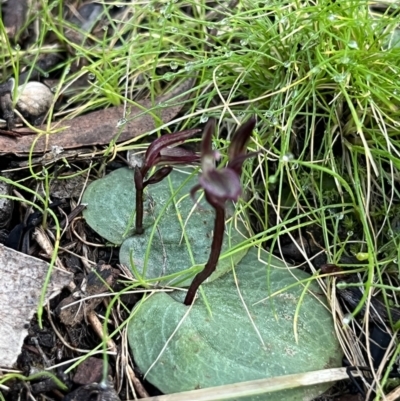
239 340
178 232
111 205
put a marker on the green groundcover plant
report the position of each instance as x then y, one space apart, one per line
224 336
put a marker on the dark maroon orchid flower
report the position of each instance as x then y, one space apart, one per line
162 151
220 185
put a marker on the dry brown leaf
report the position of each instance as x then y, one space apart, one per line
23 278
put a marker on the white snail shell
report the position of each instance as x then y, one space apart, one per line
34 98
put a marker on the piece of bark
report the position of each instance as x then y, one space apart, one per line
100 127
22 281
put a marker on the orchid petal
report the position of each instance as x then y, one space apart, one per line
240 138
193 191
206 143
158 176
237 163
154 150
177 155
221 184
208 155
178 159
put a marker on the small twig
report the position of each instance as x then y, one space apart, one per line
98 328
83 240
74 213
45 244
393 395
12 134
136 382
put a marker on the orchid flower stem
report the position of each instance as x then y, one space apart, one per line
140 173
139 212
219 227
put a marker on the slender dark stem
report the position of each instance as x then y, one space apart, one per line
139 212
139 201
219 226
